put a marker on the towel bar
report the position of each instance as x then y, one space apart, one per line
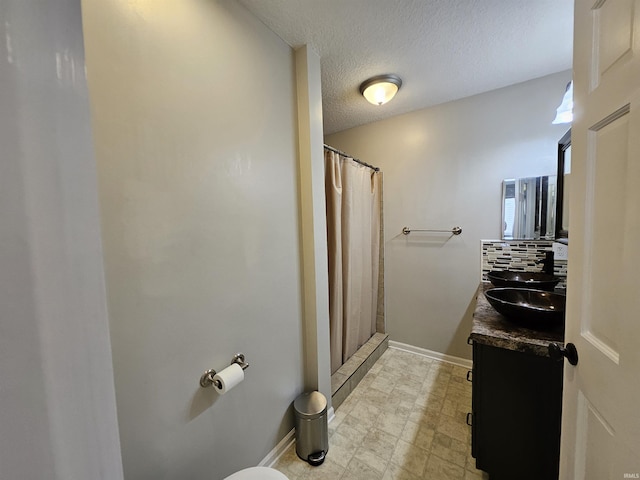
453 231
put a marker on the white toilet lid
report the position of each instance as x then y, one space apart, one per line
257 473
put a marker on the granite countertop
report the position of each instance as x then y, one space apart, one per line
491 328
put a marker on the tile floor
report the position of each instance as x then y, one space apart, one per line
406 420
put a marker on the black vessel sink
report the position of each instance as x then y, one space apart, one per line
536 308
534 280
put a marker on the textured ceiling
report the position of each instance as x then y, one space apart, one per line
442 49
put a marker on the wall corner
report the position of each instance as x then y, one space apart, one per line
317 371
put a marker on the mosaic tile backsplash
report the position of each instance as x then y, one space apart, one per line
520 256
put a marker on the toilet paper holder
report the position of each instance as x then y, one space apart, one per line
206 380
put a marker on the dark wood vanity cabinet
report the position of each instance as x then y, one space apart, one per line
516 397
517 405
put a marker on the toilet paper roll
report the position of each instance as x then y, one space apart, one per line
228 378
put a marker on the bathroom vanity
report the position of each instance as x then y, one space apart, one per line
517 397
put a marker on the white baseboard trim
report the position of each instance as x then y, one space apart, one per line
289 439
282 446
443 357
331 414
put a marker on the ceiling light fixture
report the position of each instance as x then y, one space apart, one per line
380 89
564 113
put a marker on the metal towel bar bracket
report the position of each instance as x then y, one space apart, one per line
453 231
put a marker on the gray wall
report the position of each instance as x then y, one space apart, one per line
443 167
194 116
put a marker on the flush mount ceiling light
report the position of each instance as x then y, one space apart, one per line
380 89
564 113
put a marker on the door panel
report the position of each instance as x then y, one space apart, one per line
613 29
595 442
601 419
607 166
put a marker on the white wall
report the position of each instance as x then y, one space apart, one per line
57 402
313 223
443 167
194 115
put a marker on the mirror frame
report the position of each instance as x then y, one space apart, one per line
563 145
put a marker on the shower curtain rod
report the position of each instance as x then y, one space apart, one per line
349 156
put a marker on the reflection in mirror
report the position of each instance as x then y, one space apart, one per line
529 208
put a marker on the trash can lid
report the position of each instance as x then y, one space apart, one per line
310 405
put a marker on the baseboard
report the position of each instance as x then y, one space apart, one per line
331 414
277 451
443 357
288 440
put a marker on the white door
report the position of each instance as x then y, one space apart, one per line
601 404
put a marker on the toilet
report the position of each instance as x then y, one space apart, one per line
257 473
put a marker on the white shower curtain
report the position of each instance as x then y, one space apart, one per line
353 232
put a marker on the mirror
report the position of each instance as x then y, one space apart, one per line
564 171
529 208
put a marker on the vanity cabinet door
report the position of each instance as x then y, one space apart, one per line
517 402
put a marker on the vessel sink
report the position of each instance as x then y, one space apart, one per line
534 280
537 308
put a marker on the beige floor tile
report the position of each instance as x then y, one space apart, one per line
329 470
435 387
366 381
292 466
458 371
454 427
472 471
405 420
380 443
395 369
460 396
391 423
463 391
358 470
384 381
372 459
376 368
411 458
410 431
350 402
444 367
458 380
440 469
352 429
425 416
450 449
394 472
341 449
404 408
398 363
420 370
338 418
375 398
396 396
366 413
398 404
419 435
430 400
455 407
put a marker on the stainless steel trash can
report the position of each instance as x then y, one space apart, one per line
312 433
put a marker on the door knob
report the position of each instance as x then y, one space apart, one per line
556 352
